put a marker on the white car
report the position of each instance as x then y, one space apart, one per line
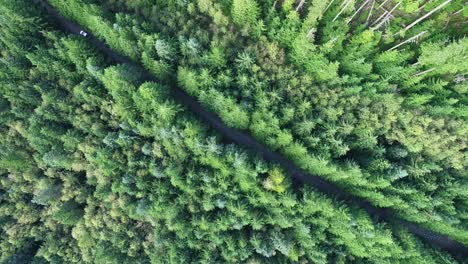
83 33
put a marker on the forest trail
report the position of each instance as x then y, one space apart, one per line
245 140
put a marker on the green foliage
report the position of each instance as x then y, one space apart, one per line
69 213
97 166
244 12
320 83
448 60
275 181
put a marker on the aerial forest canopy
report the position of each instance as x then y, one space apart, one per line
98 164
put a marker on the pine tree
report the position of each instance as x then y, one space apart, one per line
244 12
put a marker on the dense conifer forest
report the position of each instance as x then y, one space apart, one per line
101 164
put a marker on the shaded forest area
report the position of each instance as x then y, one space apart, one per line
99 167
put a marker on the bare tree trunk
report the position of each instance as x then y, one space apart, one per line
299 6
384 9
384 2
342 4
424 4
310 33
342 10
328 6
458 12
424 72
387 16
446 23
370 12
408 40
357 11
426 15
380 17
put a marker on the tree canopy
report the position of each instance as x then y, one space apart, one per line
98 165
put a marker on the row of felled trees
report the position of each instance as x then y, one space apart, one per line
98 167
368 94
